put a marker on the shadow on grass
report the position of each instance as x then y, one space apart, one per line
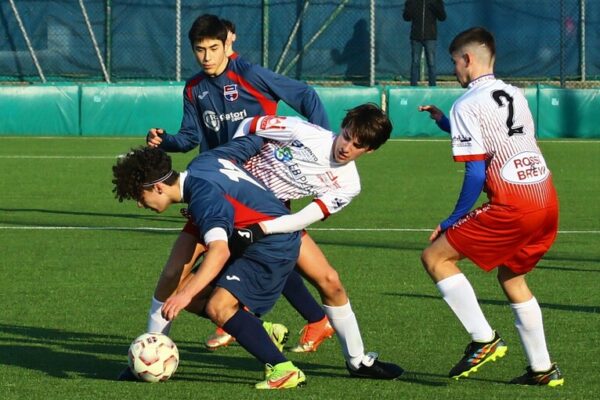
561 307
68 355
146 216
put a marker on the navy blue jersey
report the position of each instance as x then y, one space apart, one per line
222 194
213 107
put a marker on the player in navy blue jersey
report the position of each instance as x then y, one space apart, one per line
221 197
216 100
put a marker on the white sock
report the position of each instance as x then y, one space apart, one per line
529 323
156 323
344 322
460 296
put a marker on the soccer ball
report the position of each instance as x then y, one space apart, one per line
153 357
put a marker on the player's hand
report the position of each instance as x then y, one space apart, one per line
174 304
434 112
436 233
243 237
153 139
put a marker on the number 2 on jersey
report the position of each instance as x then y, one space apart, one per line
498 95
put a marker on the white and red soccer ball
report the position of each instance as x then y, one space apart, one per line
153 357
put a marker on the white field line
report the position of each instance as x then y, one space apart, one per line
150 228
84 157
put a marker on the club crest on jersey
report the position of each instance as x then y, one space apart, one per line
230 92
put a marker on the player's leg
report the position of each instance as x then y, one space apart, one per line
184 254
315 267
224 310
440 261
529 324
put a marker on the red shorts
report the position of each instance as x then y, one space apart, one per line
492 235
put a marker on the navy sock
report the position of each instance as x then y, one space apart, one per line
250 334
300 298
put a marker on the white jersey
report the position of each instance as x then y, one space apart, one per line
492 122
296 161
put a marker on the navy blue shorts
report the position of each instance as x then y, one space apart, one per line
257 278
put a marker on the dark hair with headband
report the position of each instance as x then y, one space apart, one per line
141 169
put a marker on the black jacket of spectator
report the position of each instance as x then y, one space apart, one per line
424 15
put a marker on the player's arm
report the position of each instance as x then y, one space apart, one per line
473 182
438 116
190 132
240 148
213 262
298 95
297 221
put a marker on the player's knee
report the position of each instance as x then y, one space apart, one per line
427 259
331 283
219 310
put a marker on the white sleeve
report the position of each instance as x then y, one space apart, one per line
294 222
465 131
215 234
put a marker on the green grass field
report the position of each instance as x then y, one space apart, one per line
78 270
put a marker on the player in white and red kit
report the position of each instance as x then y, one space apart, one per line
300 159
492 132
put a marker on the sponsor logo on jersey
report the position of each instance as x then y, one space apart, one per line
230 92
525 168
283 154
203 94
461 141
232 278
212 120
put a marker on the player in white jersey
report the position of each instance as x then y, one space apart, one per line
492 132
299 159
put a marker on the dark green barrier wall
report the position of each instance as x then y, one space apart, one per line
130 110
407 120
568 113
39 110
108 110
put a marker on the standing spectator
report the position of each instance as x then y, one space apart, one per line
424 15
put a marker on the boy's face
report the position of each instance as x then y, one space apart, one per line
346 149
210 54
154 199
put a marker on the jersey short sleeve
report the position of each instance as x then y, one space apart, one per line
467 139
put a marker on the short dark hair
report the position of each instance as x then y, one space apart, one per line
476 35
229 25
139 169
207 26
368 125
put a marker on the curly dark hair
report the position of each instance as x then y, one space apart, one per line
137 169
